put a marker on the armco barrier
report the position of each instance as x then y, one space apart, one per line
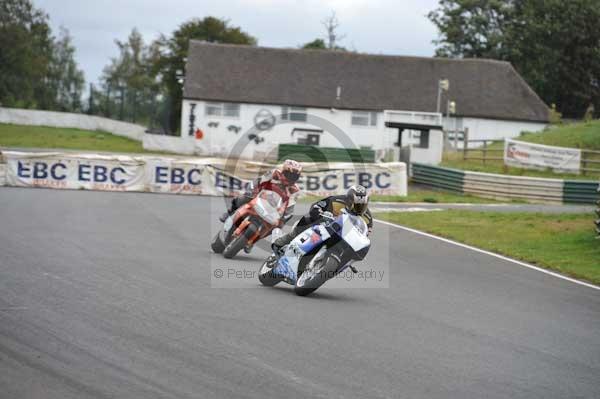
181 175
449 179
505 187
580 192
597 221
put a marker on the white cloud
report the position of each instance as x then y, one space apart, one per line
373 26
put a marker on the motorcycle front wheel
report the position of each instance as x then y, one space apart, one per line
316 276
239 242
266 275
217 244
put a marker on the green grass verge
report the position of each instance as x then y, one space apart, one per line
418 194
564 243
576 135
65 138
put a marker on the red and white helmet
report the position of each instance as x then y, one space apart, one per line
291 170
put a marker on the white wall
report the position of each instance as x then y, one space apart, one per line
218 141
431 155
174 144
480 128
32 117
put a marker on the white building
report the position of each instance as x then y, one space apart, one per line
254 98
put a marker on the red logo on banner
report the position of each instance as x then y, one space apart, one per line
199 134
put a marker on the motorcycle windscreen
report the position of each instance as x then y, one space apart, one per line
269 206
354 232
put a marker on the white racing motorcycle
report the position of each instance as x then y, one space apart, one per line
318 254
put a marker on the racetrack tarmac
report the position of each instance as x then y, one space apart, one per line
112 295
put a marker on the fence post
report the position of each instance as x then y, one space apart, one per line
465 143
583 162
484 151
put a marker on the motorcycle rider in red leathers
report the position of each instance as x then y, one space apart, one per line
282 181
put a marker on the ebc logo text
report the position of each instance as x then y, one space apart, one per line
333 182
168 175
58 171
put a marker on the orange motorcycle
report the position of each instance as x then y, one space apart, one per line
250 223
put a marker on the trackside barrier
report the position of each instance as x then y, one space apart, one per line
32 117
505 187
583 192
203 176
597 221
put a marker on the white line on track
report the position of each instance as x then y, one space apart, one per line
527 265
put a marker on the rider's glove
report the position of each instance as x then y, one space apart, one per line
327 215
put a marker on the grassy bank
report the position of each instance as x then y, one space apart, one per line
64 138
564 243
577 135
418 193
421 194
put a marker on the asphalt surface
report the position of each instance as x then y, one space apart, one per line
110 295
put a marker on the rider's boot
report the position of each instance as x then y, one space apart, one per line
278 244
224 216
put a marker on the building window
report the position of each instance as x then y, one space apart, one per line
364 118
229 110
297 114
423 138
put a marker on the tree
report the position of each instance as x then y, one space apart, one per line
317 44
128 82
471 28
553 44
331 25
65 81
36 69
25 52
171 53
332 37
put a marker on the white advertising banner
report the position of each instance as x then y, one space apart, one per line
74 171
199 176
381 179
538 156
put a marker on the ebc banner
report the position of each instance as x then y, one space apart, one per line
199 176
66 171
189 177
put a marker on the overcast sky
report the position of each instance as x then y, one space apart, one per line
371 26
